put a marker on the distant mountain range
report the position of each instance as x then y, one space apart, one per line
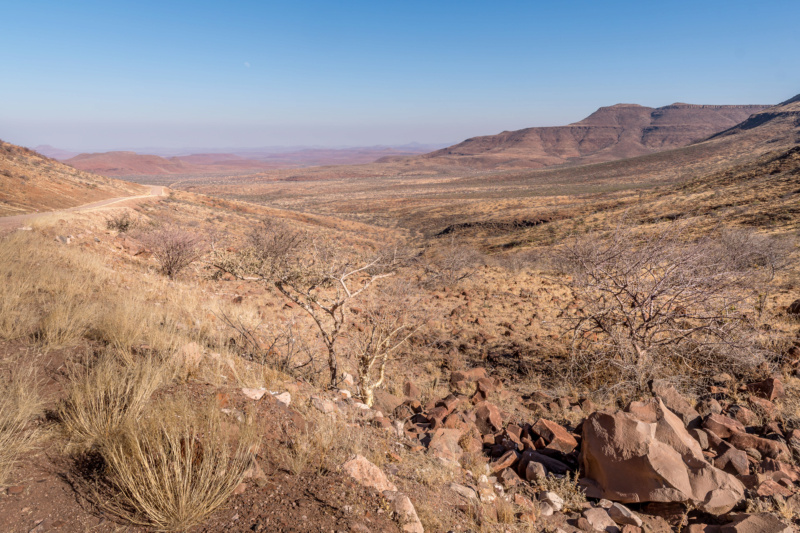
617 132
130 163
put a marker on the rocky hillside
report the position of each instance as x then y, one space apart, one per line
610 133
30 182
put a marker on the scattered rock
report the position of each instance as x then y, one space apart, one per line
323 405
367 474
254 394
756 523
599 519
553 500
488 418
676 403
444 444
464 491
622 515
770 389
404 511
557 437
285 398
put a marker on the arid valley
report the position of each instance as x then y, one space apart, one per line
291 293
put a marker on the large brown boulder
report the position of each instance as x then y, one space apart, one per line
633 458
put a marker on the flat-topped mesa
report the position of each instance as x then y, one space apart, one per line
681 105
613 132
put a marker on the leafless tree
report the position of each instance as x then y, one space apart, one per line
656 298
174 248
447 264
318 274
388 318
280 345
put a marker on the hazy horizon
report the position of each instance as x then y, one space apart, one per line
99 76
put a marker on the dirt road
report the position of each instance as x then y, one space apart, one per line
155 190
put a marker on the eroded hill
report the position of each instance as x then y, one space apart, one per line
32 182
610 133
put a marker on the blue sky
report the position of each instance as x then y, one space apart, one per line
118 74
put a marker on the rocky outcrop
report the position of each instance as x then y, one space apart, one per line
638 458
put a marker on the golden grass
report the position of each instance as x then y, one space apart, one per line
323 445
19 404
567 488
174 467
104 395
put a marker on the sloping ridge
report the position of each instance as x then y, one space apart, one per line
32 182
122 163
785 114
610 133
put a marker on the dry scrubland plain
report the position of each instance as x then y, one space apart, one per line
168 365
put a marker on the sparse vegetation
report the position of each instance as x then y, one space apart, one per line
20 403
317 274
173 467
121 222
174 248
656 302
103 395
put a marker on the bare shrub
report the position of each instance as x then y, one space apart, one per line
322 276
447 264
121 222
19 405
282 345
389 317
658 304
173 467
103 395
174 248
748 249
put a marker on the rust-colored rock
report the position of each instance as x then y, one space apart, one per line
367 474
770 389
557 437
488 418
629 460
722 426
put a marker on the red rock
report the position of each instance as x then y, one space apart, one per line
445 444
769 488
770 388
507 460
762 404
451 402
522 501
626 459
469 376
557 437
509 478
771 465
367 474
756 523
743 415
722 426
488 418
770 448
15 490
410 390
733 461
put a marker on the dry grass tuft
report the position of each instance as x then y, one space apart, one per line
323 445
19 404
174 467
104 395
567 488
